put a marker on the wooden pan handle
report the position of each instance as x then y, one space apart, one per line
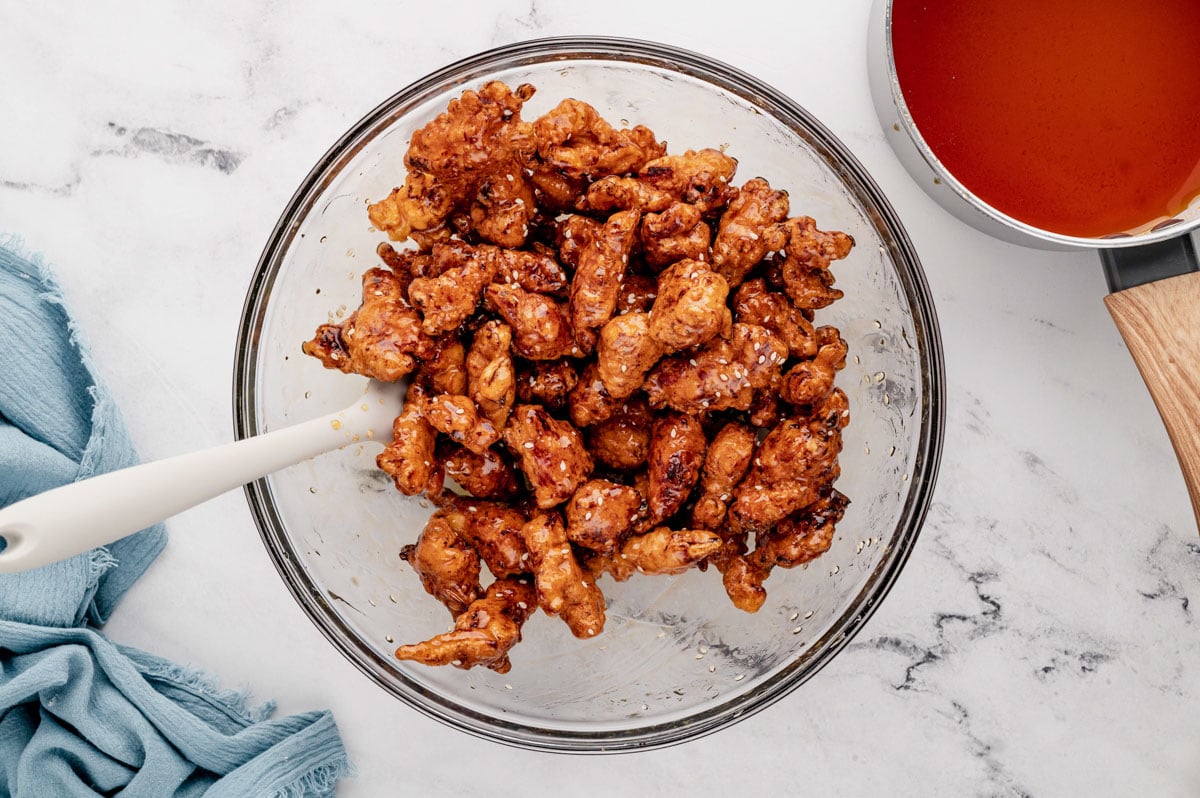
1160 322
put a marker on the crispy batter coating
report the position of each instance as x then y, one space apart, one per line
677 447
550 453
722 375
625 194
601 514
484 633
765 410
754 303
445 370
797 539
792 465
409 458
690 306
832 412
503 207
491 379
625 351
562 587
555 191
810 381
805 270
590 402
749 229
460 419
382 339
494 531
600 269
637 293
541 326
575 141
534 270
622 441
447 300
676 234
480 134
697 177
572 235
725 463
659 551
546 382
490 475
447 565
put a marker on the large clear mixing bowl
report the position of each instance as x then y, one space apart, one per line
676 659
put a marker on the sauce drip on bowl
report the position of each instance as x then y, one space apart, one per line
1080 119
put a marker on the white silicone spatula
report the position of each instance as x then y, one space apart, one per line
74 518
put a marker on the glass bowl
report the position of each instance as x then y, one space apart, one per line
676 659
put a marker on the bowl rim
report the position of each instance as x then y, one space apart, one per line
928 346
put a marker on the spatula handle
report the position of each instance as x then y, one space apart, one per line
1160 322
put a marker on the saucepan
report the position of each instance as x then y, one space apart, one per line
982 105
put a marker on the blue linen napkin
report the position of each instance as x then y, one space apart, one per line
80 715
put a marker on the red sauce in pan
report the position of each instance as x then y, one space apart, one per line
1081 118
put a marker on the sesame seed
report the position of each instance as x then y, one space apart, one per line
528 444
692 361
587 516
562 465
624 368
762 359
522 605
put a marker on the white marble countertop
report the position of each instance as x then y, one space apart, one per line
1039 642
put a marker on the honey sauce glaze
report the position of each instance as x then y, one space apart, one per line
1080 118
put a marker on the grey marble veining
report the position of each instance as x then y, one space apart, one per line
1041 640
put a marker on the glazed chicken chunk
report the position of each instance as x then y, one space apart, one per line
661 551
541 326
625 351
484 633
748 230
690 306
574 140
493 530
600 270
678 233
562 586
382 339
601 514
676 456
409 459
549 451
447 565
722 375
491 380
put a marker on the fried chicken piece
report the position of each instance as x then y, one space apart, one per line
659 551
764 411
622 441
489 475
494 531
541 327
459 418
550 453
625 351
810 381
749 229
382 339
405 264
677 447
725 463
792 465
637 293
575 141
445 371
805 270
690 306
617 193
572 235
562 587
447 565
484 633
590 402
554 190
479 134
409 459
676 234
832 412
504 207
697 177
600 269
546 382
491 381
754 303
535 270
801 537
447 300
722 375
601 514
